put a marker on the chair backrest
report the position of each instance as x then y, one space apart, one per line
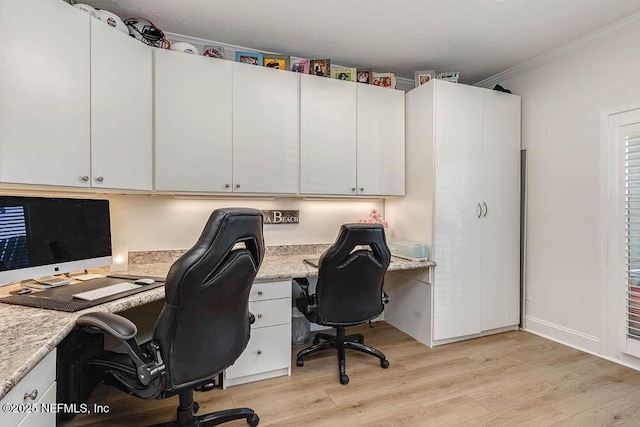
204 325
350 277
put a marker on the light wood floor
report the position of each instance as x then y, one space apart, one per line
513 379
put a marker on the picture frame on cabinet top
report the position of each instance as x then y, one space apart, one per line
343 73
363 75
384 80
277 62
320 67
213 51
252 58
300 65
424 76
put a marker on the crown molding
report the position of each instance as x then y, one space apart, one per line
624 24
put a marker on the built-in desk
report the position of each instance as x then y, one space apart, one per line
28 335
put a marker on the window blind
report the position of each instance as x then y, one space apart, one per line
632 235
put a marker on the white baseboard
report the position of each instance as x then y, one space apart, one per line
562 335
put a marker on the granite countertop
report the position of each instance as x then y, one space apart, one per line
28 334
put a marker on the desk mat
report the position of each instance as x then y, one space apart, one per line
61 298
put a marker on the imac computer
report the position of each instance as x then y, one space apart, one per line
45 236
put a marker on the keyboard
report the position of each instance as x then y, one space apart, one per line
106 291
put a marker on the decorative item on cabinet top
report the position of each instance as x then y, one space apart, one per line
213 51
384 80
278 62
252 58
449 76
320 67
424 76
364 75
344 73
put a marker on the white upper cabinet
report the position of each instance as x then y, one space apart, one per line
381 141
501 219
266 120
327 136
121 110
193 141
44 93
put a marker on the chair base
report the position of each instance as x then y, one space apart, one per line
188 408
340 342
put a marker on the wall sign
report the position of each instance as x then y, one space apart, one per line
282 217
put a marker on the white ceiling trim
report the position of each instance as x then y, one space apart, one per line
561 51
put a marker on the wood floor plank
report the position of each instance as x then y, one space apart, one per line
512 379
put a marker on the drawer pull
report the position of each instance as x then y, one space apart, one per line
259 352
260 293
259 315
33 395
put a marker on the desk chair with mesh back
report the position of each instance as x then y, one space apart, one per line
349 291
203 327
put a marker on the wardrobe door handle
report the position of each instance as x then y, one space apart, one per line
479 210
486 209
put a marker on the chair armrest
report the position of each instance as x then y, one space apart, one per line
303 282
118 326
125 331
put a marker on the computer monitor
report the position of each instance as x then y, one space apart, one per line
43 236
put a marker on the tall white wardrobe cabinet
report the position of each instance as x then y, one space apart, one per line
463 201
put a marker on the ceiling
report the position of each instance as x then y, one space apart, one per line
478 38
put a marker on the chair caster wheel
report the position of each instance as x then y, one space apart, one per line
344 379
196 407
384 363
316 341
253 421
299 362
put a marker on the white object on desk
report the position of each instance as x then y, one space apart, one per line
106 291
88 276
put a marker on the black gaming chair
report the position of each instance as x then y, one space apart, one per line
203 327
349 291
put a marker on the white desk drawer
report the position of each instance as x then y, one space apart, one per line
36 382
268 349
42 418
270 290
271 312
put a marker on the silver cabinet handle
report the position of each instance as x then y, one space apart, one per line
99 179
485 209
84 178
259 316
259 352
479 210
259 292
33 395
227 185
237 185
361 188
353 188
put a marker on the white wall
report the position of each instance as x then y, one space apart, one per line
561 105
158 222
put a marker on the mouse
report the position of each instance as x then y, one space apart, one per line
144 281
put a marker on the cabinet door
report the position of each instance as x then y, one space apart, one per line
381 159
501 216
44 87
327 136
266 124
121 110
458 196
193 122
